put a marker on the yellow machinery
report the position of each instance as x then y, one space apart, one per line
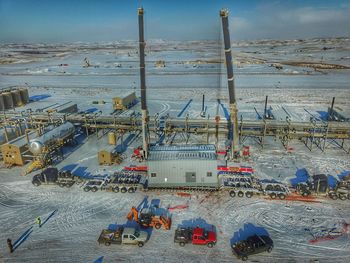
109 158
123 103
35 165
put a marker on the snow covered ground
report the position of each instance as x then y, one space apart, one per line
73 219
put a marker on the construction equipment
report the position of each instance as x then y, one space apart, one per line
230 82
147 218
35 165
109 158
127 235
145 118
138 154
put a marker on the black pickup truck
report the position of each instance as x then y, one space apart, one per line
252 245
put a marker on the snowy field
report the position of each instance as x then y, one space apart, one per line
73 219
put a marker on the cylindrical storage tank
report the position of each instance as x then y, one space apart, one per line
112 138
16 97
2 103
58 133
24 95
8 100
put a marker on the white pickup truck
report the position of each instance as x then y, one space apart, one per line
127 235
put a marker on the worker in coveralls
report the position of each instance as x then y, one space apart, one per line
38 221
9 244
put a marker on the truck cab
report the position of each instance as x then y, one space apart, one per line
317 184
51 175
47 176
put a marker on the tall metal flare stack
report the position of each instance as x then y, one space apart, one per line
230 80
144 111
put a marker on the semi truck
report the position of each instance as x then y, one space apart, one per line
318 184
52 176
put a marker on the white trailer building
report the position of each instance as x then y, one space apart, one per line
182 166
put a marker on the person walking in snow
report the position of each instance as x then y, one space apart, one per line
38 221
9 244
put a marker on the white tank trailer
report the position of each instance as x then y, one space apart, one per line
55 136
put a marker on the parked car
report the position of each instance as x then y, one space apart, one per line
127 235
196 236
252 245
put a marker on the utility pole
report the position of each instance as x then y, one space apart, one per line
144 111
230 82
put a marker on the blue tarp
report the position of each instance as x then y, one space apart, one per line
39 97
91 110
226 113
323 115
343 174
99 260
332 181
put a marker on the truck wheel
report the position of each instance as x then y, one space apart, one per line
305 194
131 190
342 197
158 226
210 245
78 180
61 185
107 244
182 244
244 258
140 244
86 189
240 194
249 194
269 250
94 189
273 196
36 183
232 193
123 190
116 189
282 196
333 196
